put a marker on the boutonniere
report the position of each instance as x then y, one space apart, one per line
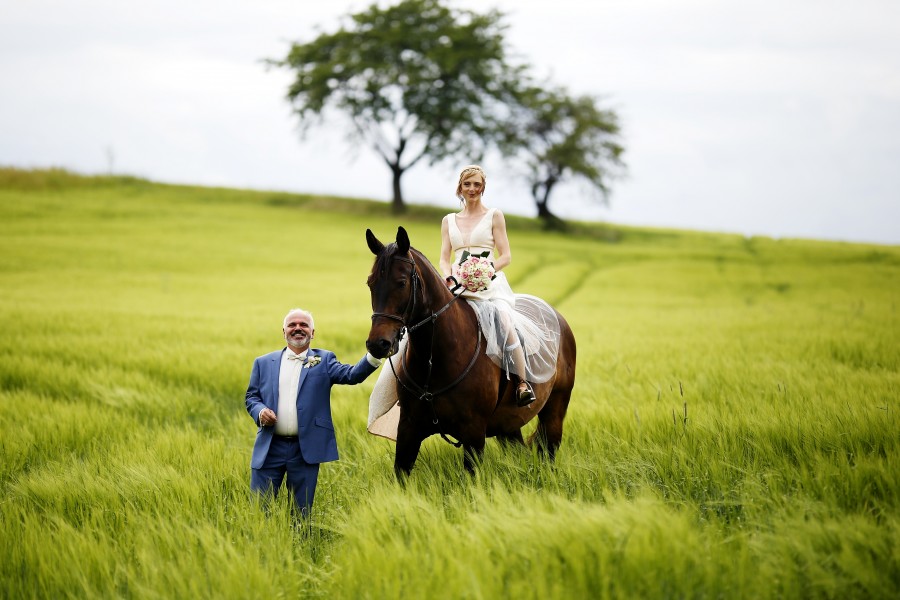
313 361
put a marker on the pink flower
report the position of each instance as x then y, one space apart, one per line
475 273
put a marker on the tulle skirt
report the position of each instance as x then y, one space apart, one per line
530 323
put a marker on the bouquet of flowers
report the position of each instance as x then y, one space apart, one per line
475 273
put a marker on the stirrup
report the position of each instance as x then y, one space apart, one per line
526 396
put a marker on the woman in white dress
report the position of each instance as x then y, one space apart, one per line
522 331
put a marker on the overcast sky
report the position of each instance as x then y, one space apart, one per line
777 118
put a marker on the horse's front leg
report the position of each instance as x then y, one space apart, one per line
409 441
472 454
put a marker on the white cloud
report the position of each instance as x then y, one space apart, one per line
768 118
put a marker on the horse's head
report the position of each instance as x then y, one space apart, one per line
394 284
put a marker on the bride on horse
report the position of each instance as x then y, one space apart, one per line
521 332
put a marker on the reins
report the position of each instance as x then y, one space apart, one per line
422 391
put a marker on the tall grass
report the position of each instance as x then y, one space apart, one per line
733 431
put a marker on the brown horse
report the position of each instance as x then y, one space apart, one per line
447 385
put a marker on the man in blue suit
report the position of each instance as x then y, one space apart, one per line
289 398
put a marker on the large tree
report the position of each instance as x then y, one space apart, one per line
560 137
416 80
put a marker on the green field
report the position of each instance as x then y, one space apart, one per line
733 433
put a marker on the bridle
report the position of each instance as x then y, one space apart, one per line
422 392
410 304
410 309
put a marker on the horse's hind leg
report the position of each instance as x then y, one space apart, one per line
548 433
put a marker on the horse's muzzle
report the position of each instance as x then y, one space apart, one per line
380 348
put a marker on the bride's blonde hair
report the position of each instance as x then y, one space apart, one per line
466 173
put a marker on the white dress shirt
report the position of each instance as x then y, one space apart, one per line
288 382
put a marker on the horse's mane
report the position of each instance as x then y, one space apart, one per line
424 263
382 261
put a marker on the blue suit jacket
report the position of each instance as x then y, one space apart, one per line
316 430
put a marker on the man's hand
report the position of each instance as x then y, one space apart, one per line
267 417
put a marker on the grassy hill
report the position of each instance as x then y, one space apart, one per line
733 431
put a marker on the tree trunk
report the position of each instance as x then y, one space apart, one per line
397 205
543 211
550 220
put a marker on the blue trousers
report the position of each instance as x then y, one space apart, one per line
284 458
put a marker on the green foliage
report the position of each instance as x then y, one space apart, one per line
560 137
416 79
733 431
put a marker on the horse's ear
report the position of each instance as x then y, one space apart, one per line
374 245
402 240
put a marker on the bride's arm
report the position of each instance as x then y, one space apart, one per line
504 255
446 250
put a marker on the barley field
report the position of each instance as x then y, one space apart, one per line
733 431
